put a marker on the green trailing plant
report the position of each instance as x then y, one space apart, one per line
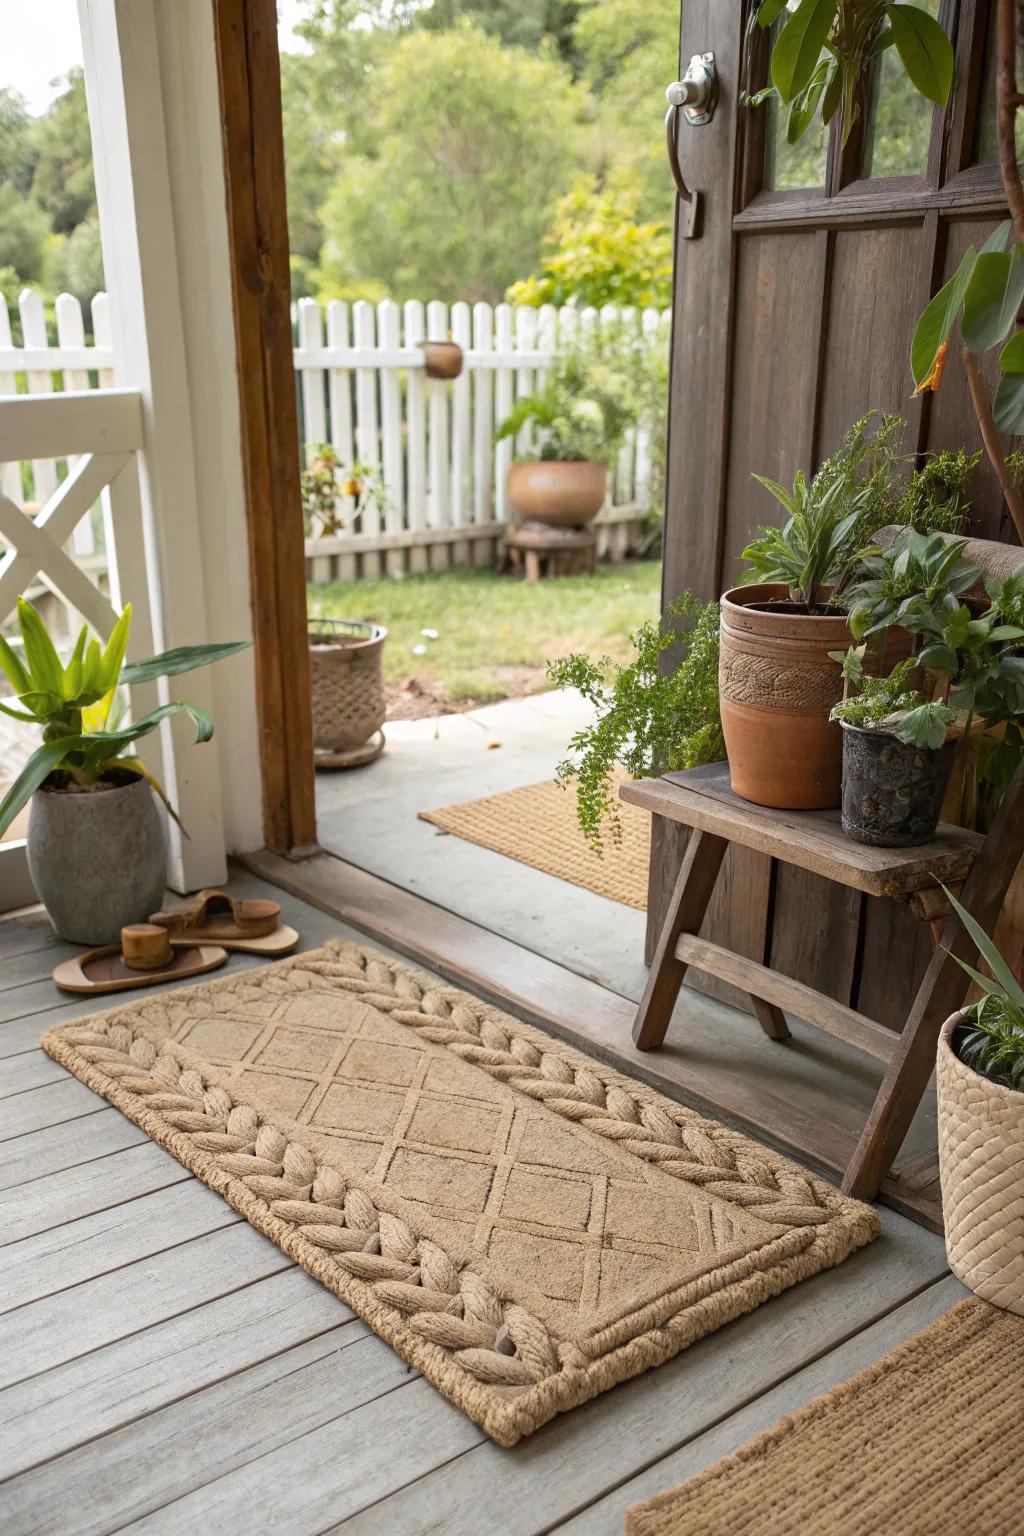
890 704
76 706
327 481
823 49
649 718
992 1041
589 399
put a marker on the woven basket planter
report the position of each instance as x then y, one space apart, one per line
345 657
981 1164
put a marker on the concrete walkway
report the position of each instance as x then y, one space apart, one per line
370 817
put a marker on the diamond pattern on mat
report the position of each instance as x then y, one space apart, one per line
528 1193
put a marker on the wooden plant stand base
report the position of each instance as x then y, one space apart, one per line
981 868
556 551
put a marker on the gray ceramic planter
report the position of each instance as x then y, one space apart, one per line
97 861
892 792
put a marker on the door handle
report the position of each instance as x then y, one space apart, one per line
696 96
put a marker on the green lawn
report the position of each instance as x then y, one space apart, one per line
495 633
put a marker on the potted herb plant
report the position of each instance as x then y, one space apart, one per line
969 650
581 412
96 847
980 1081
784 625
898 749
648 718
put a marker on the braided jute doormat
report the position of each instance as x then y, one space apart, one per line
928 1440
524 1225
537 825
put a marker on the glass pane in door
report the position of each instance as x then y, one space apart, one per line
899 122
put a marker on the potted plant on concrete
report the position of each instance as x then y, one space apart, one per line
648 718
581 412
980 1080
96 848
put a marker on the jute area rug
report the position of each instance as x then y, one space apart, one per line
928 1440
524 1225
537 825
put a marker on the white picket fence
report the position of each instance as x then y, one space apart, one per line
363 389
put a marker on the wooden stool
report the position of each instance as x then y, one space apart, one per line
563 551
702 799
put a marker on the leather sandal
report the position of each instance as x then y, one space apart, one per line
217 916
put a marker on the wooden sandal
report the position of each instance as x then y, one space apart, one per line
144 957
281 942
218 917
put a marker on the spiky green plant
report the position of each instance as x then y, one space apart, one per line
74 705
993 1043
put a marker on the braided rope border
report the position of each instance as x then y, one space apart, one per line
490 1356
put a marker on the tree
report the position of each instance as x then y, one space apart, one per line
472 144
598 253
17 153
63 182
76 264
22 235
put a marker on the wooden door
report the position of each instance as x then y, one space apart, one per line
794 306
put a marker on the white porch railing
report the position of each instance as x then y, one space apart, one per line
363 390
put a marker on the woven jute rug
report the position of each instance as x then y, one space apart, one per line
537 826
521 1223
930 1439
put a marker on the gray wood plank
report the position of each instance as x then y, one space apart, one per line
65 1146
124 1475
27 930
606 1517
72 1193
80 1250
33 964
604 1441
33 1069
24 1033
108 1388
45 1333
50 1105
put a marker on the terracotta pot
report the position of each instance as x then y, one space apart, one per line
443 359
778 685
981 1167
345 657
563 495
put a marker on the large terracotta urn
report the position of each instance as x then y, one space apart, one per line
566 494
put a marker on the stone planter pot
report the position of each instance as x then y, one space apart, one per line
892 792
566 495
981 1167
778 685
345 657
98 860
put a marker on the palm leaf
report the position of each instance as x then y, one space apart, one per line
996 964
35 772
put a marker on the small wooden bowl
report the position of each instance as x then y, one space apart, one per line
145 947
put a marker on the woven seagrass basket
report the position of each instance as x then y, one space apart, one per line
981 1166
345 657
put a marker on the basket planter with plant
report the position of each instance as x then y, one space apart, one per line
349 706
783 627
581 414
96 847
980 1081
965 675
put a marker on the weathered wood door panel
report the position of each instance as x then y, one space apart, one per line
793 311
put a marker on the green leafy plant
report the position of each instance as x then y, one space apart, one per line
823 49
992 1044
891 705
649 719
811 550
327 481
586 404
74 706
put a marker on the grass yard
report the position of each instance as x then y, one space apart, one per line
494 633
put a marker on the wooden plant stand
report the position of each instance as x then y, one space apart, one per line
559 551
982 868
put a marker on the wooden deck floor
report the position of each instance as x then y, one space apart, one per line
165 1368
